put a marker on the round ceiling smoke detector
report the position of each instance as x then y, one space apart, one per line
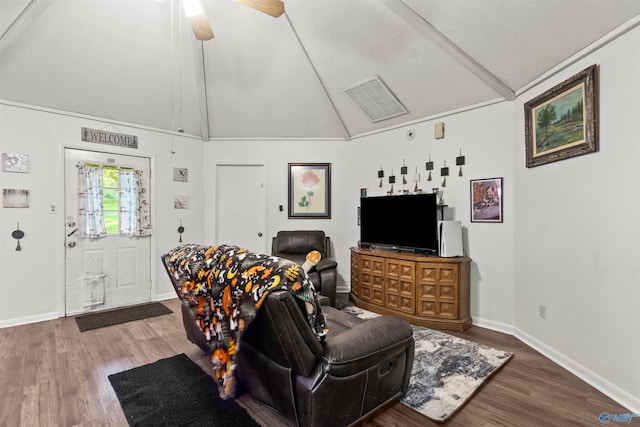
411 134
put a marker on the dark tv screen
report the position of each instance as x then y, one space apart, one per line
405 222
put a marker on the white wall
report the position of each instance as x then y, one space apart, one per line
32 280
577 233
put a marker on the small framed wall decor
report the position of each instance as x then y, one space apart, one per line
15 163
486 200
181 174
310 190
563 122
12 198
181 201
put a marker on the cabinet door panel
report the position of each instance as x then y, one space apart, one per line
355 274
400 279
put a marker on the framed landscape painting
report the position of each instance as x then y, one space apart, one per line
563 122
486 200
310 190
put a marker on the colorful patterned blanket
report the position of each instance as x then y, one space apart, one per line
225 286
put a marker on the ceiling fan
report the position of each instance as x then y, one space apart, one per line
200 23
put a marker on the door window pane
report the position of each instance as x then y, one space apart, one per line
110 199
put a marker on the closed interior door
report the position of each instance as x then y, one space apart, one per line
241 206
111 270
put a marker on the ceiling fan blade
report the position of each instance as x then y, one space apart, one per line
274 8
201 27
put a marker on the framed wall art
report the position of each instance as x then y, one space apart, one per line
486 200
181 201
15 163
13 198
563 122
310 190
181 174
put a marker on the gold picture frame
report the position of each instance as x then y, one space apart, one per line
563 122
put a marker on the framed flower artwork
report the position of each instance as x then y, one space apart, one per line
310 190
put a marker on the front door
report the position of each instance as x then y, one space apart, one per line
112 270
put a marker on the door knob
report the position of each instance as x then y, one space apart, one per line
259 234
71 244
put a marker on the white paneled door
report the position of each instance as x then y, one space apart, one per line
112 270
241 206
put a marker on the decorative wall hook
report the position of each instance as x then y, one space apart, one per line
444 172
460 162
416 179
180 231
18 234
429 167
403 171
392 180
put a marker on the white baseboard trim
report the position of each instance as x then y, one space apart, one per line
29 319
605 386
343 289
493 325
165 296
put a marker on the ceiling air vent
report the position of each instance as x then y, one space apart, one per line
375 99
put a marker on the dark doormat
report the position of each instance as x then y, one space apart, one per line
87 322
175 392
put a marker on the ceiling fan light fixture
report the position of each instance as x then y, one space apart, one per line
192 8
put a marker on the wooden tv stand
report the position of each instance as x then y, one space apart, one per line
427 291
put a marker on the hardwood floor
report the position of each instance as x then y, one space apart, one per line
53 375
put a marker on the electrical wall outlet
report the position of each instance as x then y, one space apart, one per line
53 209
542 311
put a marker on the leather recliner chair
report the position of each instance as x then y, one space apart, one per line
362 365
295 245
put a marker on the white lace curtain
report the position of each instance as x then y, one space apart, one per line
135 217
134 214
90 212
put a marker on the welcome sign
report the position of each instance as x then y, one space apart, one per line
109 138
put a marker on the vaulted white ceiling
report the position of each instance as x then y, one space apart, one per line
137 61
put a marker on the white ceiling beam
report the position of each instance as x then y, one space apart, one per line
201 89
347 135
21 24
457 53
20 18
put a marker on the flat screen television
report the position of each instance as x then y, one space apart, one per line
405 222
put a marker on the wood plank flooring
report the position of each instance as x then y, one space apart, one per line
53 375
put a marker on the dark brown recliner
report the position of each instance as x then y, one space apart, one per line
295 245
362 365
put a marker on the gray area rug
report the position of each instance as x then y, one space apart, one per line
447 370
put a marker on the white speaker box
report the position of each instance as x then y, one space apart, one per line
450 238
